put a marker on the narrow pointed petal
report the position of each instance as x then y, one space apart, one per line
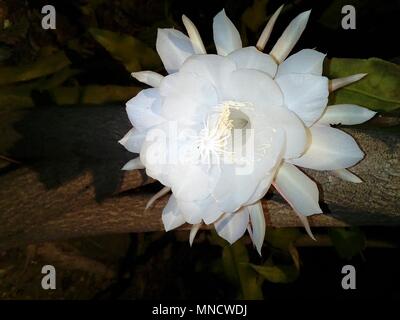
306 225
193 231
226 36
171 216
331 149
305 61
335 84
346 114
158 195
290 37
262 41
133 164
133 140
151 78
232 226
174 48
257 220
251 58
346 175
194 36
297 189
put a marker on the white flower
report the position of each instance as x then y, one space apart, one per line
192 127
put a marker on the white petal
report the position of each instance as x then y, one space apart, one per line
254 87
232 226
306 225
171 216
193 231
290 37
133 140
133 164
226 36
330 149
195 211
335 84
268 29
297 189
304 61
151 78
140 109
194 36
346 114
251 58
174 48
158 195
346 175
305 94
257 220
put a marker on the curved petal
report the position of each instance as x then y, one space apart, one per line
251 58
262 41
305 94
158 195
140 109
346 114
290 37
171 216
338 83
174 48
226 36
215 69
257 220
151 78
305 61
254 87
330 149
133 164
194 36
346 175
232 226
195 211
193 231
298 190
133 140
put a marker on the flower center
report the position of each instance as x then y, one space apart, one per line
214 140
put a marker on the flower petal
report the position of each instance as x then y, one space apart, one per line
174 48
133 140
330 149
346 175
305 94
232 226
262 41
346 114
194 36
193 231
133 164
151 78
290 37
298 190
158 195
257 220
226 36
140 109
171 216
195 211
251 58
305 61
338 83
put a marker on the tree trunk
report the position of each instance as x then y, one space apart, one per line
69 183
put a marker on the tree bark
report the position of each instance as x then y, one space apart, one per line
70 183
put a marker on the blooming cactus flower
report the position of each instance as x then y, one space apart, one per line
195 127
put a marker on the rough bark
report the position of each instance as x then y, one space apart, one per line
70 184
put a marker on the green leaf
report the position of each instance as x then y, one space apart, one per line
43 66
133 53
238 271
255 16
277 273
378 91
348 242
